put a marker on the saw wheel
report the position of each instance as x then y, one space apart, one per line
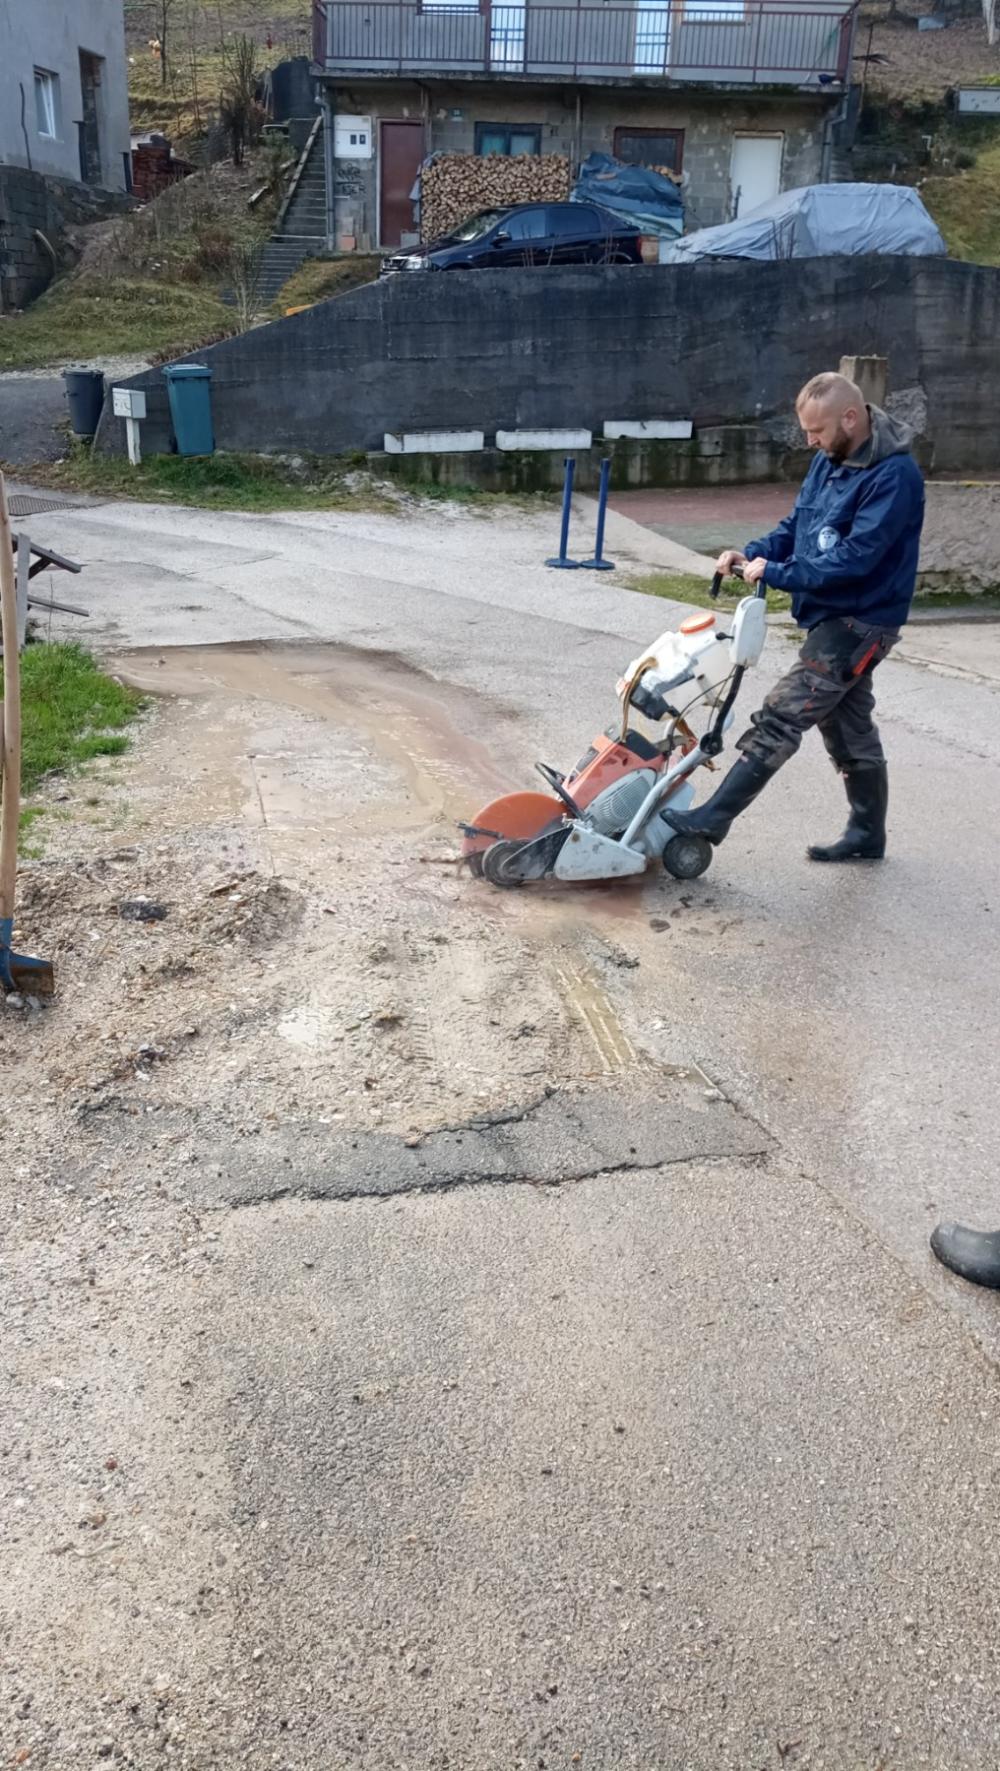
498 862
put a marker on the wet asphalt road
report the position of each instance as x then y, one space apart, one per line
33 416
855 1012
688 1467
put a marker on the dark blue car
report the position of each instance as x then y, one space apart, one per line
530 234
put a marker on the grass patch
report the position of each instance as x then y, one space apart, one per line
219 482
256 483
953 598
27 848
78 319
70 713
478 497
686 587
320 278
966 207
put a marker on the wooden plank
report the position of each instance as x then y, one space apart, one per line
23 556
45 558
39 602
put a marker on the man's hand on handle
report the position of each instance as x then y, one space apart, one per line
753 571
727 560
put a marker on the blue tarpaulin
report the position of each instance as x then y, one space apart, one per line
636 193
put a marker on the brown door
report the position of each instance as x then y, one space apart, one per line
401 149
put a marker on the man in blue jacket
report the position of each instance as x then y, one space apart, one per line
847 555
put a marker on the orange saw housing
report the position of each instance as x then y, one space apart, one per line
520 816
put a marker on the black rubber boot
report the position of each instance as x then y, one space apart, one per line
745 780
868 797
972 1254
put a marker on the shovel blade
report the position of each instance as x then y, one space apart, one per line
22 975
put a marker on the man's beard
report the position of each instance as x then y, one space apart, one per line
841 447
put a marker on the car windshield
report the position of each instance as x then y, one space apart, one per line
477 225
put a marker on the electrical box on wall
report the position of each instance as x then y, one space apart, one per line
352 137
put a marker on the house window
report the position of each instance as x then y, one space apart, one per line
47 103
508 138
650 147
714 12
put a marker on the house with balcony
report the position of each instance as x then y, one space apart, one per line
742 98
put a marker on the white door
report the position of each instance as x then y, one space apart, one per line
755 174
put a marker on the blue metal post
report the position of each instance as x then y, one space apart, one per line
563 562
599 563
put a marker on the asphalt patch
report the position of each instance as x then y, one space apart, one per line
560 1136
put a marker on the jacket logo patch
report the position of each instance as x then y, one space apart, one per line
827 539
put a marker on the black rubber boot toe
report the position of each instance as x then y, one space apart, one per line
972 1254
846 848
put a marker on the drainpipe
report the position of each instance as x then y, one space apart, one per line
826 149
329 169
833 117
24 127
578 142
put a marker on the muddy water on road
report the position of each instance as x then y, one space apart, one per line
404 718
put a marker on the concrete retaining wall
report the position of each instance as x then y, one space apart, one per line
722 344
961 541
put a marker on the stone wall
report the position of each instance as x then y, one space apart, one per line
32 204
718 343
961 541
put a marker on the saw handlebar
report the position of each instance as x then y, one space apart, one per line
716 584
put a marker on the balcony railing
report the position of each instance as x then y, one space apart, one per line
738 41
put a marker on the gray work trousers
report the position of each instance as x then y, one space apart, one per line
830 686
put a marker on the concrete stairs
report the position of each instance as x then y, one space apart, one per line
300 230
281 259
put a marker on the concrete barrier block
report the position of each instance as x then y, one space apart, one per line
544 439
433 442
679 429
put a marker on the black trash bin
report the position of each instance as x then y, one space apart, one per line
85 397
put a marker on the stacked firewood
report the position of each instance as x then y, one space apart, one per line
456 186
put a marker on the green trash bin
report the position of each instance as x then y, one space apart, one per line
189 390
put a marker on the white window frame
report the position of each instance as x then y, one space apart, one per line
47 104
715 12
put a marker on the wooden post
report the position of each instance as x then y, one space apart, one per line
870 374
10 802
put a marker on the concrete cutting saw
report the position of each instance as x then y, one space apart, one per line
604 819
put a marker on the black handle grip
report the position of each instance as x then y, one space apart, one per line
716 584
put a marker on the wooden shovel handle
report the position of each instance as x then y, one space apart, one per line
10 804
